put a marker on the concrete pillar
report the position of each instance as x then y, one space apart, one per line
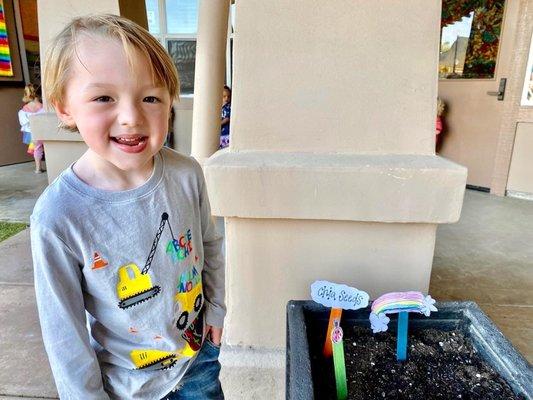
209 76
331 172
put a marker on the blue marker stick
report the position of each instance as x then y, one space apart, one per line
401 342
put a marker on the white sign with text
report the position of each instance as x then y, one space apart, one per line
337 295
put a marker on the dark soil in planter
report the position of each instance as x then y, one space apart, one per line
440 365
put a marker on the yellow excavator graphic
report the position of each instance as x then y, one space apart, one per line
135 286
149 360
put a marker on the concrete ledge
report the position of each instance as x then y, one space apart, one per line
351 187
45 127
62 147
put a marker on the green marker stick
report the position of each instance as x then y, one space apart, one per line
339 364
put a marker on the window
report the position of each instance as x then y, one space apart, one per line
152 14
182 16
175 24
183 53
470 38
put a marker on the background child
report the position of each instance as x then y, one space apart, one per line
225 117
32 106
96 230
441 107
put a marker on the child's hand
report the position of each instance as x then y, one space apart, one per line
216 334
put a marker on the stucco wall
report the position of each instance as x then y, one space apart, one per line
521 171
278 260
183 125
354 76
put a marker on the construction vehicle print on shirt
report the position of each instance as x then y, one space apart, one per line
194 332
151 360
189 297
135 286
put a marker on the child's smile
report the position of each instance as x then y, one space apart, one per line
130 144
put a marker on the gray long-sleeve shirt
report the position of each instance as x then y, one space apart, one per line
126 280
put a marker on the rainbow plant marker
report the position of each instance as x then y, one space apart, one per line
401 303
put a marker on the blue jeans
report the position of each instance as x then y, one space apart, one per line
201 382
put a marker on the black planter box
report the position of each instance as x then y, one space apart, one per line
467 317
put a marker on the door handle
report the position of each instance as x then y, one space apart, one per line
501 90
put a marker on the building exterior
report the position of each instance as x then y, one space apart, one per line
331 172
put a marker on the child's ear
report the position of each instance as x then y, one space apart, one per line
63 114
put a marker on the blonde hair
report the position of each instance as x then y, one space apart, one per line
30 93
441 106
60 54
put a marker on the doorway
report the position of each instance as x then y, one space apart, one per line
477 38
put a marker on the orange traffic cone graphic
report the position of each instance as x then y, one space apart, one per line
98 262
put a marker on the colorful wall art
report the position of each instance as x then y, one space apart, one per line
6 68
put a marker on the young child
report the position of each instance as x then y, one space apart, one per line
439 125
32 106
225 117
129 274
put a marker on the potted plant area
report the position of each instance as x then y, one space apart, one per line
401 346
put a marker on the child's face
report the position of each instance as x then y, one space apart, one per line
226 97
121 115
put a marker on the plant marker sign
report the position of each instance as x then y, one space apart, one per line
338 297
401 303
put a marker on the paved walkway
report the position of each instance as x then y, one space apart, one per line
486 257
19 189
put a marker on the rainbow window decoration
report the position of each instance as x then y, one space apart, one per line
5 58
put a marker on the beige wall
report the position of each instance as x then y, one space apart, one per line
183 125
278 260
521 171
358 83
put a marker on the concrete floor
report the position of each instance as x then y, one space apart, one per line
19 189
487 257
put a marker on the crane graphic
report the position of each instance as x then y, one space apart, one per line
135 286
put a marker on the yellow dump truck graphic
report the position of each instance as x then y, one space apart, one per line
189 301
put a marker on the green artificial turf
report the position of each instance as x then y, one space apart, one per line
8 229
